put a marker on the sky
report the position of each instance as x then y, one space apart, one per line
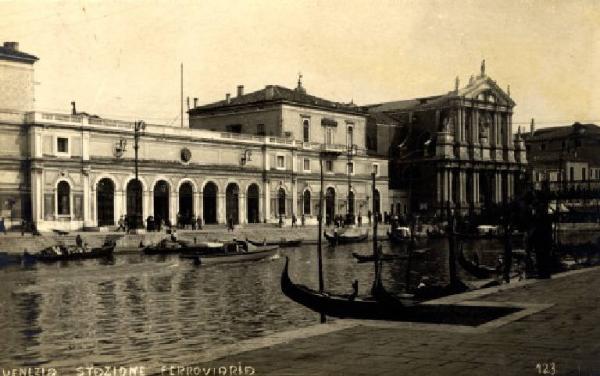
121 59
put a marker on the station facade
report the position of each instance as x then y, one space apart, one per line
69 171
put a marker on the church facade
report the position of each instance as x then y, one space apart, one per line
455 150
70 171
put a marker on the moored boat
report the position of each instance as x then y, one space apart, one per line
370 258
399 235
351 235
281 243
478 271
62 253
242 253
166 246
342 306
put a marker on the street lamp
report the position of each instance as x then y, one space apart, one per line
328 155
139 128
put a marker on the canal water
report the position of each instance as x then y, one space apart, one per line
138 309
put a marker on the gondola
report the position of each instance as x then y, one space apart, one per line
399 235
385 306
281 243
371 258
346 237
251 253
478 271
167 247
47 254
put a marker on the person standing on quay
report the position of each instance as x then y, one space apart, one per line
294 220
230 224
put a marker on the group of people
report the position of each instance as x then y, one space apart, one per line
158 224
62 250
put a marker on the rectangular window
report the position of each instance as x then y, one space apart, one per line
306 164
280 161
329 166
350 168
62 144
260 129
329 135
583 173
350 136
305 130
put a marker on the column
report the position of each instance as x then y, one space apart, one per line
462 125
440 188
149 209
118 202
295 197
444 187
37 197
475 188
498 185
197 203
242 208
266 195
87 195
462 187
450 179
458 126
221 207
475 127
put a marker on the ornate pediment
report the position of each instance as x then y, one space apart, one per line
484 89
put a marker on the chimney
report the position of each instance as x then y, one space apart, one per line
532 127
13 46
73 109
228 98
188 103
195 102
240 90
269 92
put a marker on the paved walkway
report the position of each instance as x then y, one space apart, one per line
565 331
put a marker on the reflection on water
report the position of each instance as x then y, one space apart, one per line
139 309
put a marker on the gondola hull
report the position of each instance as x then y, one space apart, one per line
371 258
476 271
339 305
200 248
228 258
282 243
334 239
101 252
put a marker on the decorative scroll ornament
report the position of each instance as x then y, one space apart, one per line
120 148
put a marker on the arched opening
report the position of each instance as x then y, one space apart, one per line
281 202
134 198
186 203
329 205
306 202
161 201
252 204
209 203
377 202
232 197
63 198
105 202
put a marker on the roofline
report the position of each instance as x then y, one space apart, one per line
21 59
223 108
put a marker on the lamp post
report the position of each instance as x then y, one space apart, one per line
139 127
324 154
351 151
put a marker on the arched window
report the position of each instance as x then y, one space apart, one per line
281 201
63 198
306 202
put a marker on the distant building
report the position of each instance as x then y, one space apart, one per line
68 171
564 157
454 150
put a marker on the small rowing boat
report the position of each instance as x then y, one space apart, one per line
281 243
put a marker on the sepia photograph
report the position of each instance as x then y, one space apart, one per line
299 187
